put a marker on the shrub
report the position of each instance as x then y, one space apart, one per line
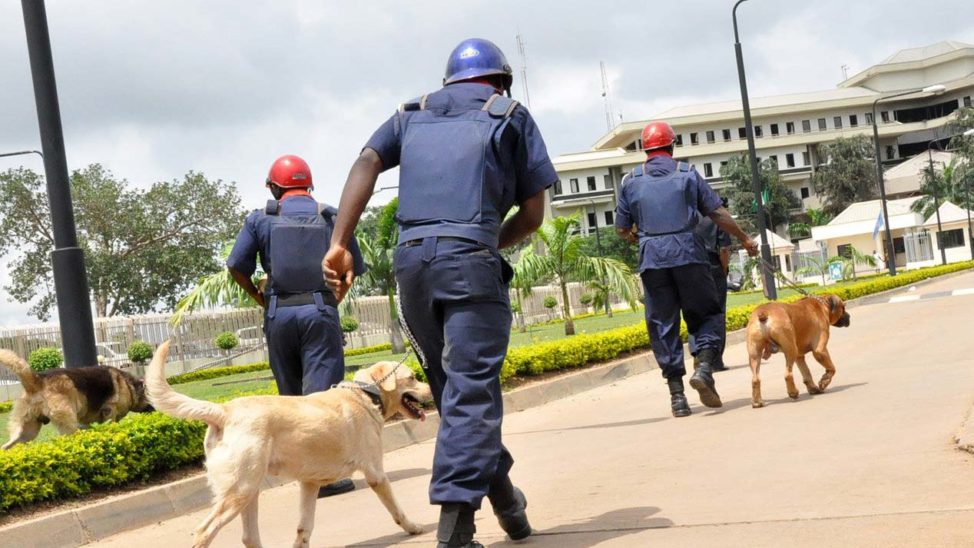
226 341
368 349
6 406
586 299
349 324
139 352
216 372
550 302
46 358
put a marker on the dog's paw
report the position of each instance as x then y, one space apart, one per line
412 528
824 383
757 404
812 389
793 395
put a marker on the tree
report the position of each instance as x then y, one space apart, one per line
523 281
812 217
143 248
848 174
564 261
779 201
938 187
217 289
613 247
378 251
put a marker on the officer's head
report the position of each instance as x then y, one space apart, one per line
479 60
658 138
288 172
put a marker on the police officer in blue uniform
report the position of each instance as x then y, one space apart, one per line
291 235
659 206
716 243
467 154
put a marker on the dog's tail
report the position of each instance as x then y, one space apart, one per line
170 402
28 378
762 316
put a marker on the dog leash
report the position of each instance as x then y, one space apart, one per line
784 279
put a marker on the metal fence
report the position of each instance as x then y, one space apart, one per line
919 246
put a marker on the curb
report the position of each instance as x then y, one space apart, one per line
965 435
125 512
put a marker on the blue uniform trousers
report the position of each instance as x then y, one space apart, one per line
305 348
720 284
456 307
690 289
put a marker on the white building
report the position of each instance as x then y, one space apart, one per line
788 128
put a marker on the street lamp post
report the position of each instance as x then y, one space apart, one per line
70 279
936 203
598 245
767 275
890 253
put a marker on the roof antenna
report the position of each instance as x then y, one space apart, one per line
609 118
524 69
845 72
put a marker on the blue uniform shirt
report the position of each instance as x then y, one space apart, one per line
666 251
254 237
522 149
712 239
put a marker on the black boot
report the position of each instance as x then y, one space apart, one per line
456 527
337 488
703 379
510 507
678 400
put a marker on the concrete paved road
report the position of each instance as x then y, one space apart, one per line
869 463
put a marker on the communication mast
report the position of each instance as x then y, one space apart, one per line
609 117
524 70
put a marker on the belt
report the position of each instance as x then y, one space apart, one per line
417 242
301 299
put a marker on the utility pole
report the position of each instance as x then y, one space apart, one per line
524 69
609 118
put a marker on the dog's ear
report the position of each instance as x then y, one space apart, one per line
833 303
387 376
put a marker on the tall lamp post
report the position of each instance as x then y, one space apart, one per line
68 260
598 245
890 253
936 203
767 275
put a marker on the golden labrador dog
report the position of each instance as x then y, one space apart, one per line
315 439
794 329
69 398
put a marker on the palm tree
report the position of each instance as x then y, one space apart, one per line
816 217
947 186
378 252
217 289
564 262
523 281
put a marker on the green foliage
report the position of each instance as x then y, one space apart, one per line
105 455
810 218
368 350
848 174
378 249
226 341
139 352
46 358
778 199
217 289
948 184
349 324
613 247
6 406
216 372
586 299
550 302
155 242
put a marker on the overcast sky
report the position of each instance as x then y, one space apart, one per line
154 89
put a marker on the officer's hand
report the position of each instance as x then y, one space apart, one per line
338 267
751 246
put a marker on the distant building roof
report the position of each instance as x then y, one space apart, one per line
910 55
949 213
758 103
867 211
777 243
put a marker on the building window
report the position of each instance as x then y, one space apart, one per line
608 181
774 130
693 139
837 122
869 118
967 101
790 128
608 218
844 250
952 238
853 120
558 187
806 126
790 160
679 140
591 183
774 159
884 116
742 133
573 186
708 170
806 159
710 137
890 153
723 164
805 192
758 133
821 124
726 134
591 221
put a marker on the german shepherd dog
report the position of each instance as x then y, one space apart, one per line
70 398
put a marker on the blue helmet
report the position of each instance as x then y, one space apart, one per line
476 57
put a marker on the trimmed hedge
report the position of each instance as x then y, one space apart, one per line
6 406
216 372
368 350
141 445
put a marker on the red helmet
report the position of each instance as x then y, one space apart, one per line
657 135
290 171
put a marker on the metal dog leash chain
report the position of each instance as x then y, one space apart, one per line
785 280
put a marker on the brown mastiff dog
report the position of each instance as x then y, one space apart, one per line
794 329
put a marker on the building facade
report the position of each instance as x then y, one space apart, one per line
790 129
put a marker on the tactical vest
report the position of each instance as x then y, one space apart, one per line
666 205
451 180
296 247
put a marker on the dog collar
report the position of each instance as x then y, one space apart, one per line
371 390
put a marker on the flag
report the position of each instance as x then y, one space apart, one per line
879 224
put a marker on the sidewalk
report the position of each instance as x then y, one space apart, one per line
872 462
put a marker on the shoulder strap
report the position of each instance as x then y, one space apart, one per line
273 207
683 167
500 106
418 103
327 211
637 171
